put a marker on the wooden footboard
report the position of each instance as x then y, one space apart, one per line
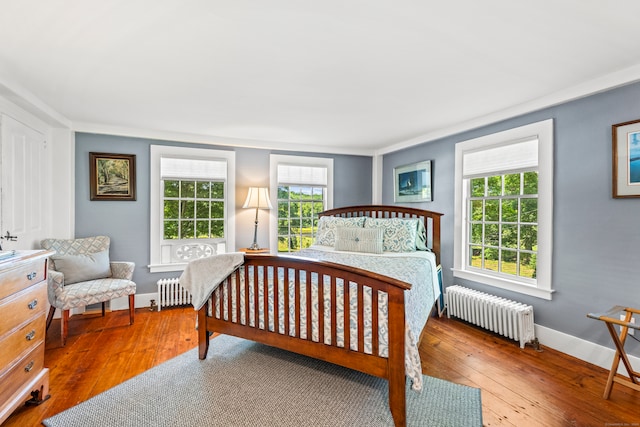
240 316
238 307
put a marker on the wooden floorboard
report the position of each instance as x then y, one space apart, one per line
524 387
520 387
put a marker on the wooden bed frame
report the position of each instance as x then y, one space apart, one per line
391 368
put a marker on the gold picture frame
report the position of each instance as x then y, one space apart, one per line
112 176
626 159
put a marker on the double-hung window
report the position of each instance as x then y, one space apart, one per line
304 187
503 209
192 197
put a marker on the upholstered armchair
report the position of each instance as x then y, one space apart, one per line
80 273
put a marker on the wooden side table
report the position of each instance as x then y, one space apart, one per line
611 318
261 251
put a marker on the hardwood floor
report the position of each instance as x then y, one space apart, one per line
519 387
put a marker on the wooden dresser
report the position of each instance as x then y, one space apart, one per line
23 306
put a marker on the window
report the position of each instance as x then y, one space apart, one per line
503 223
192 194
304 187
503 202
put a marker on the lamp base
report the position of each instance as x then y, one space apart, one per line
254 247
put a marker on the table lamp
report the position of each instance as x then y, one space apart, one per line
257 198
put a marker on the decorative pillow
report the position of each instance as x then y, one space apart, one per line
399 233
80 268
355 239
326 235
421 237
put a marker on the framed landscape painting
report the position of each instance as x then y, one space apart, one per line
626 159
412 183
112 176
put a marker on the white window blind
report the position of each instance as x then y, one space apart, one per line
182 168
302 175
514 156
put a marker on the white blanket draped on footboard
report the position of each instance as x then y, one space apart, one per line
237 301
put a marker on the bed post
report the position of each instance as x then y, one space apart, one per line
203 334
397 379
435 229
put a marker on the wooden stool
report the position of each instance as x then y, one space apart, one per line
611 318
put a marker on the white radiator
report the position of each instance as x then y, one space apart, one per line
170 293
505 317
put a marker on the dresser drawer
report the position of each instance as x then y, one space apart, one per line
13 345
15 279
19 308
27 368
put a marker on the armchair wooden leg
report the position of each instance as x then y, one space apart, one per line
64 327
52 311
104 308
132 308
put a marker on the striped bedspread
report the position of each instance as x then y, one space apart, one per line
415 268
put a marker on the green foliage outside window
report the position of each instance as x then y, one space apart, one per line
193 209
503 223
298 208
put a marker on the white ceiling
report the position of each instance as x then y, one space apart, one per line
337 75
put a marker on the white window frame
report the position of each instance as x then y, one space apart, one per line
156 209
278 159
542 286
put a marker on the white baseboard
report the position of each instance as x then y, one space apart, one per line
595 354
142 300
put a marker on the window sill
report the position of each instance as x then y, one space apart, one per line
498 282
163 268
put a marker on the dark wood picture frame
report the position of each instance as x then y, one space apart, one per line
626 159
112 176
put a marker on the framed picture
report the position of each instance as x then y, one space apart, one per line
112 176
413 183
626 159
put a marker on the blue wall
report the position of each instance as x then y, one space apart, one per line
595 259
596 262
127 223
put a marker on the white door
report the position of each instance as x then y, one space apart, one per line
21 185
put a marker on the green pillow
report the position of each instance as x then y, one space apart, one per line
81 268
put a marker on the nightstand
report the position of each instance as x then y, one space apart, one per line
261 251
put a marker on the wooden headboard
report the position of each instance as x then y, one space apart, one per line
431 219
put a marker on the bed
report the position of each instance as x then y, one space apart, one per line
341 306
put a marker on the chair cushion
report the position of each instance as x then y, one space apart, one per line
80 268
93 291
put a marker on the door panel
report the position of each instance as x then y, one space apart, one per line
21 185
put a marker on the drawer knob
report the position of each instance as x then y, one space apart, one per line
29 367
32 305
31 335
32 275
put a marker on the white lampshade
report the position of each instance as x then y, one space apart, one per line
258 197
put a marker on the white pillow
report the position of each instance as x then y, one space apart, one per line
81 268
326 235
399 233
355 239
